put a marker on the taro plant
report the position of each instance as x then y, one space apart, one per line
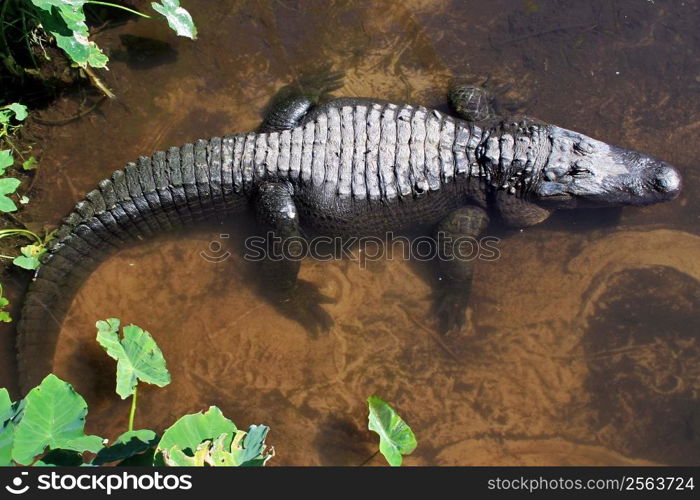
138 359
47 427
29 254
65 21
39 22
11 116
27 259
395 436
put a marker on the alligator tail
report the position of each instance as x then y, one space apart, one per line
169 190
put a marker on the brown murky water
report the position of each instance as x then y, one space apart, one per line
583 344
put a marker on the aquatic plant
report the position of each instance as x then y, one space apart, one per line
47 427
395 436
11 116
28 258
64 22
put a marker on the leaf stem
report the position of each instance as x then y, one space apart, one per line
21 232
133 409
108 4
369 459
97 82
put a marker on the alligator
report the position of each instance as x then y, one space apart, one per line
341 166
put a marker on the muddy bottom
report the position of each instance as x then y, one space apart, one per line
524 384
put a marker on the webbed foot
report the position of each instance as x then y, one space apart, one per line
318 84
302 303
292 103
450 307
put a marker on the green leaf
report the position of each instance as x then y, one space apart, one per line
248 448
30 257
175 457
7 436
30 164
54 417
219 456
8 185
20 110
178 18
47 4
137 354
395 436
126 446
6 428
65 20
6 160
5 318
5 401
189 431
96 58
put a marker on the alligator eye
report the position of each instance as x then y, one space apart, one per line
582 148
580 168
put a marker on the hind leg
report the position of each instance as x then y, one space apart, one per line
458 249
288 108
278 269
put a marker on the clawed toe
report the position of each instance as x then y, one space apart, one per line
302 303
320 83
450 308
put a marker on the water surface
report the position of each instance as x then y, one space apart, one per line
582 344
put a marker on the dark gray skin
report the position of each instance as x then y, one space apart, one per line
348 167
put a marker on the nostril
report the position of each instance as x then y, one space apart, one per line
668 180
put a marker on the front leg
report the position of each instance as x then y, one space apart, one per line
297 299
458 249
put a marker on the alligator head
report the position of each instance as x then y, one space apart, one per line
581 171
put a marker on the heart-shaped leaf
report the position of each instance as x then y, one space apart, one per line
395 436
20 110
30 257
137 354
8 185
54 417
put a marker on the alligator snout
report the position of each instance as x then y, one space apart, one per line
667 182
